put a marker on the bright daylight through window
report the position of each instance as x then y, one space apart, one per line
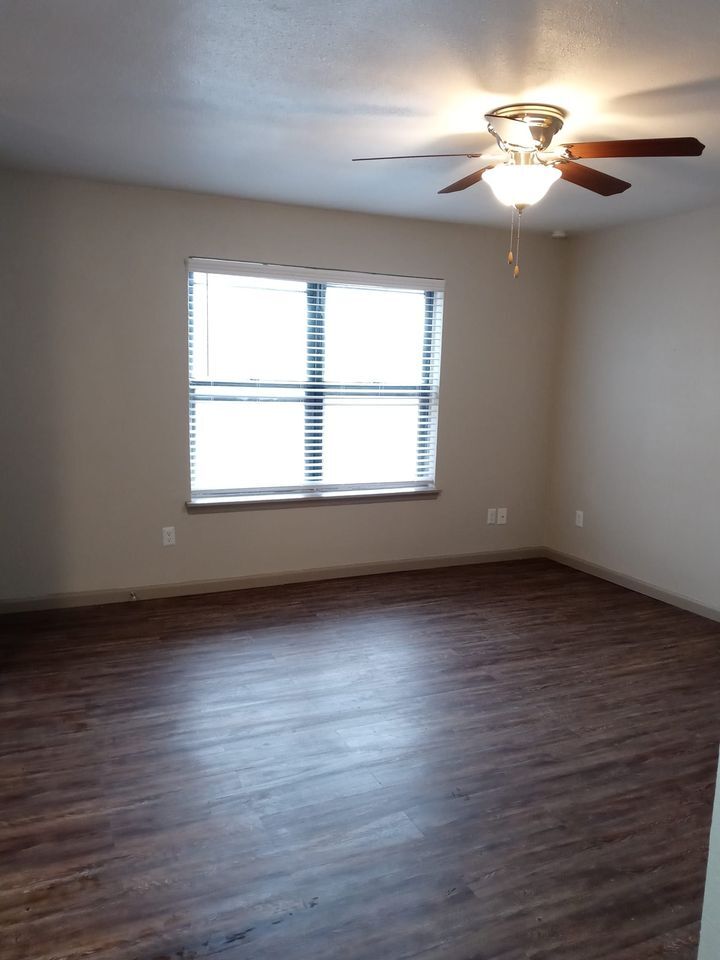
306 382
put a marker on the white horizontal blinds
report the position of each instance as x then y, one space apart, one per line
246 395
306 383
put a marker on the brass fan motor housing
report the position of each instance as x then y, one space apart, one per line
544 120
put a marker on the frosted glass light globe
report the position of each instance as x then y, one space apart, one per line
520 185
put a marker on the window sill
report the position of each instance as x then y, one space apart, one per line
273 501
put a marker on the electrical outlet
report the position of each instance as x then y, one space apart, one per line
168 536
502 513
492 515
579 518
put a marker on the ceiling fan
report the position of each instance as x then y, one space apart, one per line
527 166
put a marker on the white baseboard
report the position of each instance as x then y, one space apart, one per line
125 594
632 583
191 587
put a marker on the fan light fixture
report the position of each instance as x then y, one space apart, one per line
528 167
520 184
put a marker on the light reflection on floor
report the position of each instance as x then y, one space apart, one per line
255 716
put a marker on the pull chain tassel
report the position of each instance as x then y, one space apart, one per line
516 269
512 236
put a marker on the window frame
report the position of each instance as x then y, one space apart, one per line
317 391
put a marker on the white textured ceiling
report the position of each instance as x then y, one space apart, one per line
271 98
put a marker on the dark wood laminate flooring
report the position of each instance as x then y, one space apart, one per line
502 762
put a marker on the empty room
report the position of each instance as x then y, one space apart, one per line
360 424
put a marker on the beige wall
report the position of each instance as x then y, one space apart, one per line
637 413
93 428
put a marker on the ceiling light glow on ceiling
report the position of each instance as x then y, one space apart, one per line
520 185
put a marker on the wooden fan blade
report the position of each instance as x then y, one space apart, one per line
591 179
466 182
420 156
660 147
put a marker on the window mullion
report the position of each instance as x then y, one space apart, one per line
315 396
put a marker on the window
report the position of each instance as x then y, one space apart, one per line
306 383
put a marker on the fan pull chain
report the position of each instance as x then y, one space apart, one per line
510 255
516 268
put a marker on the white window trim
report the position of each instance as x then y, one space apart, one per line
380 494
